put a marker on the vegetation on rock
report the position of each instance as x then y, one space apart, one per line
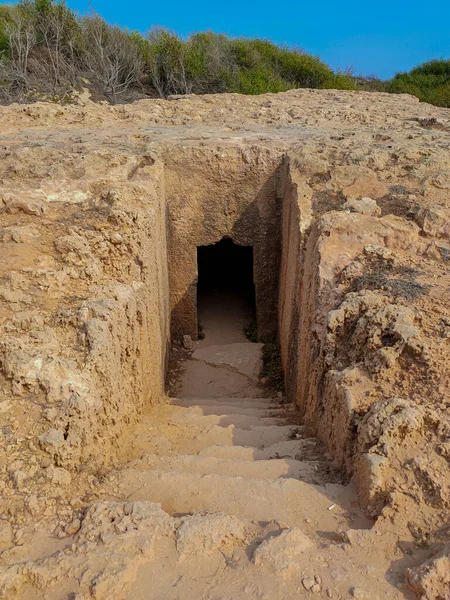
47 51
272 369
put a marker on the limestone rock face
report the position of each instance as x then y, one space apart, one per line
344 198
281 553
431 580
115 539
435 221
365 206
363 187
203 534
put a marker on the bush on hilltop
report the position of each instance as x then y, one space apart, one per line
47 51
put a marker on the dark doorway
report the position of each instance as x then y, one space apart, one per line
226 293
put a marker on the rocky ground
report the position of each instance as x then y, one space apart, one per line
112 490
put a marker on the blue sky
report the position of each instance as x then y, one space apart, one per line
380 37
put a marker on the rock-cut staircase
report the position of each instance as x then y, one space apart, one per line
247 498
225 498
224 446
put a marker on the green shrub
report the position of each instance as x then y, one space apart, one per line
4 39
303 69
45 49
342 81
265 67
371 83
164 63
210 63
430 82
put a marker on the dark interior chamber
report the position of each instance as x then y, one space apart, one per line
225 288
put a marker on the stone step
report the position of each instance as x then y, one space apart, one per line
239 421
286 500
258 437
205 465
244 357
206 381
192 438
219 409
241 402
292 449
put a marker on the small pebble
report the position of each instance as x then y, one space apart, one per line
73 527
307 583
358 593
18 537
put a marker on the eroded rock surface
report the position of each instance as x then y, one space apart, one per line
344 197
432 578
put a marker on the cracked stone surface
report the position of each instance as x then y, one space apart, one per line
245 358
344 197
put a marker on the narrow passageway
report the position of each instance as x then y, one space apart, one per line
225 292
253 505
253 501
251 495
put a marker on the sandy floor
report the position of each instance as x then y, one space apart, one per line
223 316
